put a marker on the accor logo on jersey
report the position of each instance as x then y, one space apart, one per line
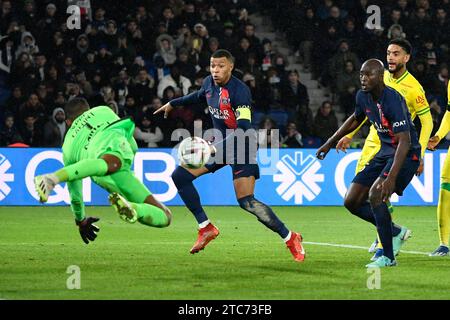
219 114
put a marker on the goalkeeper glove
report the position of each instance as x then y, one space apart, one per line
88 230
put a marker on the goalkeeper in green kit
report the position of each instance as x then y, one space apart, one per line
100 145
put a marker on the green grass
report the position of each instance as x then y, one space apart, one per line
246 261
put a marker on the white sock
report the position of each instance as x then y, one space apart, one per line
288 237
53 178
203 224
444 245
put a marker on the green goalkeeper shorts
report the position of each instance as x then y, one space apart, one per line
113 142
125 183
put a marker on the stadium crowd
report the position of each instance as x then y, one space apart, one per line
136 55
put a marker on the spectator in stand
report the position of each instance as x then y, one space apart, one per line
212 22
347 84
255 42
323 49
7 52
166 49
431 54
158 69
419 27
338 63
30 130
124 49
307 31
50 57
110 34
144 87
13 103
441 29
8 131
229 38
268 134
186 69
32 106
242 53
294 94
325 122
293 138
27 45
176 81
55 129
438 86
146 133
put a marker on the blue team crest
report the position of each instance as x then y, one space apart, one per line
225 100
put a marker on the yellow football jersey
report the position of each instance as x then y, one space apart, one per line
412 92
444 128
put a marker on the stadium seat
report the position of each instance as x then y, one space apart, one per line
311 142
281 118
257 117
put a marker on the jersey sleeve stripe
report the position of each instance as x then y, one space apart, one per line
421 112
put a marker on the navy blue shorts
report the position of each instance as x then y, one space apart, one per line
239 170
380 166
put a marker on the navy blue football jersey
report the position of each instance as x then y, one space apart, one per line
389 115
226 104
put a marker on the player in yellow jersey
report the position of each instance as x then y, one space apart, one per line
443 209
398 78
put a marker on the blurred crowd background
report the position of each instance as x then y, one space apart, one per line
134 56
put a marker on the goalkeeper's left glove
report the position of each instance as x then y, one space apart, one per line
88 230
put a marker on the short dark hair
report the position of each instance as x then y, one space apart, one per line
75 107
222 53
403 43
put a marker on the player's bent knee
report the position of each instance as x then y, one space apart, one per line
113 162
351 203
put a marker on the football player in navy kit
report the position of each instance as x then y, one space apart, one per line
229 104
393 166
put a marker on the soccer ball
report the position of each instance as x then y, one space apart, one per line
194 152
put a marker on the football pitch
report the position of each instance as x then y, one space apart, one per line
39 244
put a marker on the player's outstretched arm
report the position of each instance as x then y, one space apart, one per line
344 142
88 230
166 109
349 125
192 98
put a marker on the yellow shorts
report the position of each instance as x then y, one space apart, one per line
445 175
369 151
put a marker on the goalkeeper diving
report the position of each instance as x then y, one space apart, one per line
100 145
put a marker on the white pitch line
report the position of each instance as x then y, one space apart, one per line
349 246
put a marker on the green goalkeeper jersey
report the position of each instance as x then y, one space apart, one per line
83 130
95 132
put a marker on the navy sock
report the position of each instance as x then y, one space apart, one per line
384 228
183 181
264 214
396 229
